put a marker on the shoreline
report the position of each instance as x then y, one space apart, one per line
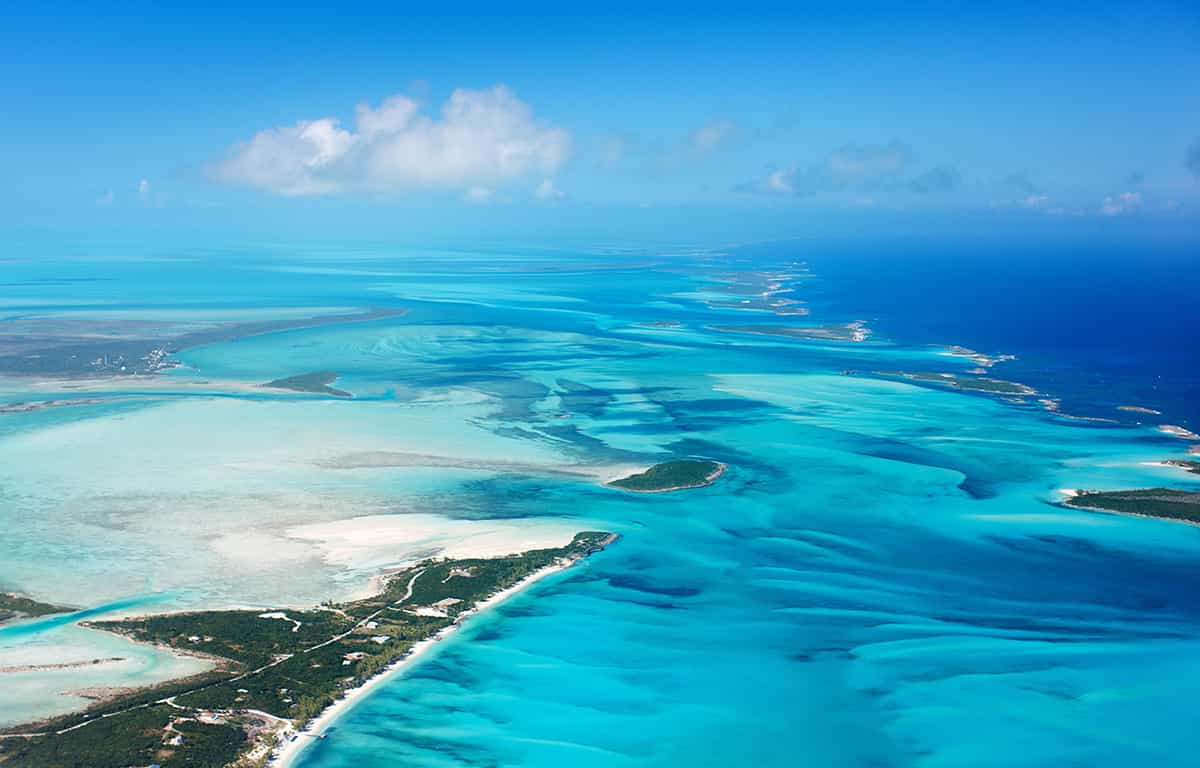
284 755
1070 494
709 479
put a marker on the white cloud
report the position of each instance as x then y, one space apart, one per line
547 191
143 190
780 183
852 167
1034 201
709 136
1126 202
481 138
478 195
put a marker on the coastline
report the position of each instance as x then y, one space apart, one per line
296 741
709 479
1070 494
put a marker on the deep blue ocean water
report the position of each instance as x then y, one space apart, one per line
882 578
1098 326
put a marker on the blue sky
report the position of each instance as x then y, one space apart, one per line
743 120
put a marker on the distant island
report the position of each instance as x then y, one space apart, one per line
1188 465
1164 503
1176 431
1139 409
671 476
981 361
316 382
969 383
856 331
276 670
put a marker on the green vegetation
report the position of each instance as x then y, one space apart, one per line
672 476
158 734
316 382
830 332
1166 503
969 383
275 666
14 606
1189 465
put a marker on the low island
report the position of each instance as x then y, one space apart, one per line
316 383
855 332
671 476
1187 465
276 670
1163 503
981 384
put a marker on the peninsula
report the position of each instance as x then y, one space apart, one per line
14 607
275 670
316 382
671 476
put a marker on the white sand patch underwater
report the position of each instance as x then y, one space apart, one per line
196 495
383 539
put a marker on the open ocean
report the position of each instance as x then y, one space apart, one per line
881 578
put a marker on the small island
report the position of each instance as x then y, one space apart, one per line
671 476
1187 465
274 671
1139 409
1174 430
854 332
967 383
1163 503
316 382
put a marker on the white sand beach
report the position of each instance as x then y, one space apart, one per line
295 742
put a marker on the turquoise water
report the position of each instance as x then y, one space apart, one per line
880 579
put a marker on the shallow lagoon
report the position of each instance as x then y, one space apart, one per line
879 579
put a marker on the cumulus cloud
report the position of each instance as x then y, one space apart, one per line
547 191
143 189
1119 205
479 139
1191 160
851 166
